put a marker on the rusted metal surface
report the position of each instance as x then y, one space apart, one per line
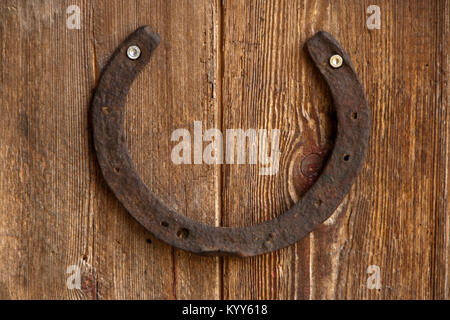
314 207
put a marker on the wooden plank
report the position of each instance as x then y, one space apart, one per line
269 83
442 246
45 176
393 218
176 89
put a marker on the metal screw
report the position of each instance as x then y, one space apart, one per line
336 61
134 52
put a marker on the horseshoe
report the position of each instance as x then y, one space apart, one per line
316 205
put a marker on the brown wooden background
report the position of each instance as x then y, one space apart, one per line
230 64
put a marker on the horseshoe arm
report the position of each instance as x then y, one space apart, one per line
321 200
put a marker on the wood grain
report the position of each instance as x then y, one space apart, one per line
229 64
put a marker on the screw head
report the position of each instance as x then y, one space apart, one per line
134 52
336 61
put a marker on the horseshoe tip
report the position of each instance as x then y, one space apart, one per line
154 37
321 35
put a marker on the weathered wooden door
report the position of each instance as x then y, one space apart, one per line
228 64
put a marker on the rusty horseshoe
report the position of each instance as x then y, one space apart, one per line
316 205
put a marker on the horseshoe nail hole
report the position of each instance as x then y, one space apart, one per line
106 110
346 157
149 241
355 115
318 203
268 244
183 233
116 170
165 224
